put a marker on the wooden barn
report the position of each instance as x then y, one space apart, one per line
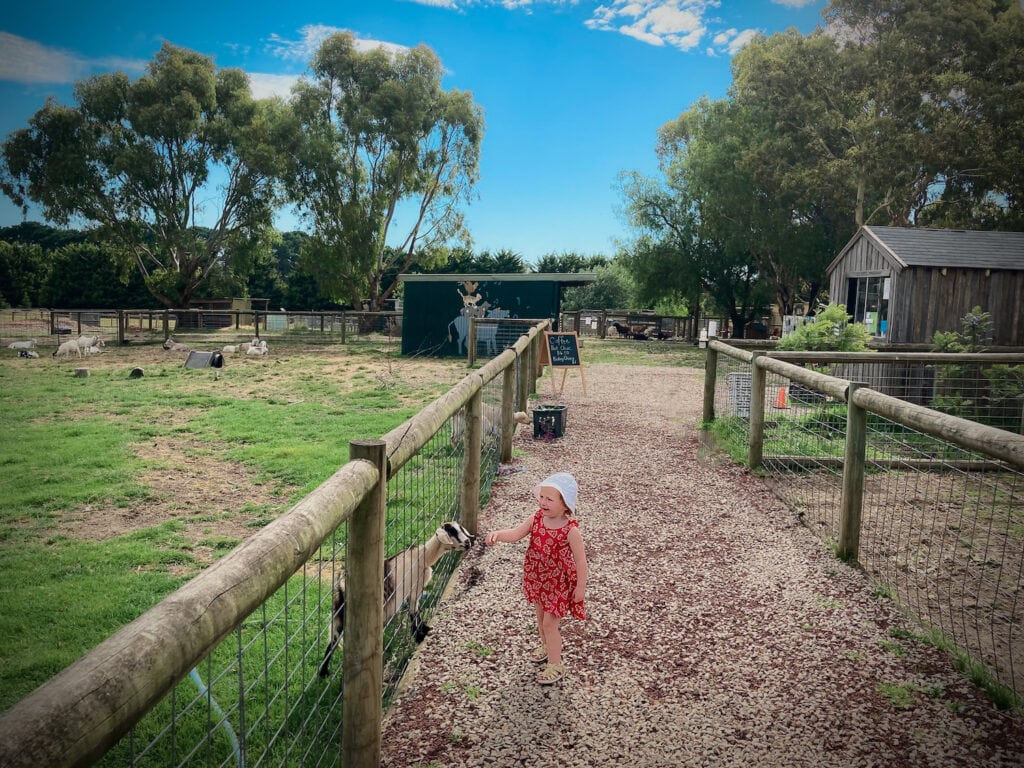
907 283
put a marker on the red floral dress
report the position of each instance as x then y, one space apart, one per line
549 571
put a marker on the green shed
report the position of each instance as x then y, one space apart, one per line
436 308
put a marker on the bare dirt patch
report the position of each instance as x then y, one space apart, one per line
221 502
205 494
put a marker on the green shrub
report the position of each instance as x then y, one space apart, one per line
830 331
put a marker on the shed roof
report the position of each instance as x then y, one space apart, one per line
566 278
923 247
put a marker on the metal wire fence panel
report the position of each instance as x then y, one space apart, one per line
944 529
804 436
941 527
983 392
257 699
422 495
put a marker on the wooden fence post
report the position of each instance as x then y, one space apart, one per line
363 659
710 374
508 426
853 476
469 493
755 443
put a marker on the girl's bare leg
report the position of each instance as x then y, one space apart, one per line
540 625
552 636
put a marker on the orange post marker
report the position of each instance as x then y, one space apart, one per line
780 401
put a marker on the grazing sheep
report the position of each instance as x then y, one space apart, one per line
28 344
66 348
406 575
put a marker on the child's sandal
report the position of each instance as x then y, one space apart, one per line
552 673
540 654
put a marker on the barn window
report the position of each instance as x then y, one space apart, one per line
868 302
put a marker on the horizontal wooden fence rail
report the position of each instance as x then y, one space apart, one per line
72 719
85 710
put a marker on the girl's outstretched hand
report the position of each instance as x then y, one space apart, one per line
491 538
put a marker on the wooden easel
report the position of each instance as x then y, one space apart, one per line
562 350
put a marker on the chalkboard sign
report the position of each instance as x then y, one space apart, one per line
563 350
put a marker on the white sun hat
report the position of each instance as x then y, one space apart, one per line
565 484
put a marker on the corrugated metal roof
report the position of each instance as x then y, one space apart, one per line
970 249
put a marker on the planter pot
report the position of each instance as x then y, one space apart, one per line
549 421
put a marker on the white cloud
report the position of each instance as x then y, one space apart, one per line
742 39
312 35
725 36
265 86
679 23
458 5
731 41
26 61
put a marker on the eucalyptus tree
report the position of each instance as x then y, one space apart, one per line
147 160
899 111
381 159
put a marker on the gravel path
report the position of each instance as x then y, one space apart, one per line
720 633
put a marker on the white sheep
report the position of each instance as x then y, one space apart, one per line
406 575
66 348
230 348
27 344
94 350
172 346
87 342
257 348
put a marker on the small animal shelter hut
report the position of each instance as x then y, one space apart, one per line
907 283
436 309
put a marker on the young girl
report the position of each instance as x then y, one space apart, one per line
555 568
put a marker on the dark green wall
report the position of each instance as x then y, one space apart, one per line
429 309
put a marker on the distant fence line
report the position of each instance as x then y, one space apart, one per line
633 323
225 666
141 326
930 504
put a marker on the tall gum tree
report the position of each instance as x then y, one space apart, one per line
381 161
146 162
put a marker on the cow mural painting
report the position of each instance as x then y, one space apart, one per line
437 309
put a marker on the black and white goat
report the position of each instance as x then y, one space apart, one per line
406 575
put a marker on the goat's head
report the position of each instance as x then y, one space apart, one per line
454 536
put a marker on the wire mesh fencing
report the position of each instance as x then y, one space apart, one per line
941 519
257 698
247 640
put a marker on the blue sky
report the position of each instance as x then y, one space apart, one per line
573 92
